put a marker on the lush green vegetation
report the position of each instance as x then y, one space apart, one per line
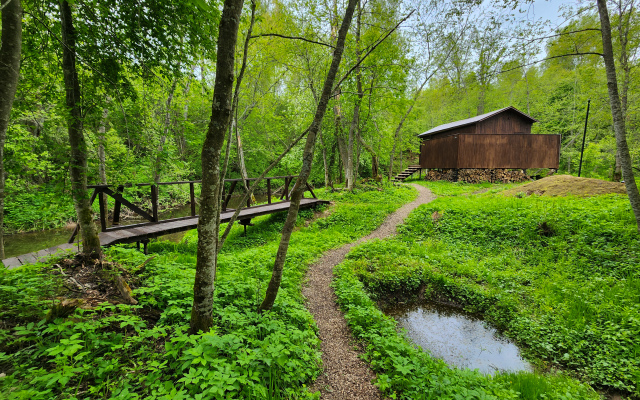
148 97
143 351
558 275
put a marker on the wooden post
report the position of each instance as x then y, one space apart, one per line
226 201
116 207
154 203
285 194
268 191
311 190
584 137
103 217
192 193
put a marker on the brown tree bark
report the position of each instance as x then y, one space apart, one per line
355 121
624 22
9 72
307 161
209 222
236 98
102 164
78 160
616 111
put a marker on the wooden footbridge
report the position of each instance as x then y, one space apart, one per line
143 232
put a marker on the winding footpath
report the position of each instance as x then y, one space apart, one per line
345 375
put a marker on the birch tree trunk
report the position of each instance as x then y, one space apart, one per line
9 71
209 222
616 111
78 160
307 161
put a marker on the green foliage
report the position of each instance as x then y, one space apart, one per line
144 351
557 275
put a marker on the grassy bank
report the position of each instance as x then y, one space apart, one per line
558 275
143 351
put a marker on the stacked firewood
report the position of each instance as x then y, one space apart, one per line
448 174
477 175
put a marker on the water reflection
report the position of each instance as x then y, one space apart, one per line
460 340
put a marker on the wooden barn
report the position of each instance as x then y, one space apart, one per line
499 139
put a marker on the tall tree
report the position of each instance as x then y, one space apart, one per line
9 71
209 222
619 126
307 161
78 160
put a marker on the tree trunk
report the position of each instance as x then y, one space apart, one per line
623 32
209 222
181 140
481 98
78 160
342 151
165 132
374 158
9 70
399 128
102 167
616 111
236 98
327 181
307 161
355 121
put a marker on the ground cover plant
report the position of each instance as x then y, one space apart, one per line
144 351
558 275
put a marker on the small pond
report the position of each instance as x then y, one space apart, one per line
459 339
23 243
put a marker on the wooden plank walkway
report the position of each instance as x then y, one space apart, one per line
146 231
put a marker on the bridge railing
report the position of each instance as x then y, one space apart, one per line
152 215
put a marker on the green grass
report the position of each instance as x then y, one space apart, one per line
560 276
117 352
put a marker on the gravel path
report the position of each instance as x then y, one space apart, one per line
345 375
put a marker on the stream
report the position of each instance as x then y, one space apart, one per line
459 339
23 243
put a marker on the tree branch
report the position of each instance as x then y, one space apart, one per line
335 88
290 37
592 53
253 187
563 33
5 4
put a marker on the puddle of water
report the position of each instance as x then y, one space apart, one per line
460 340
23 243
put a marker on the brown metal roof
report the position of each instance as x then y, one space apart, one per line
473 120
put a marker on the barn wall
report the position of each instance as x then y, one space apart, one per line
491 151
505 122
509 151
439 153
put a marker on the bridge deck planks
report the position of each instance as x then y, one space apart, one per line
153 230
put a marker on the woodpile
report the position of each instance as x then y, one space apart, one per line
477 175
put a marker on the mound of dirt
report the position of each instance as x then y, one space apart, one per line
563 185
